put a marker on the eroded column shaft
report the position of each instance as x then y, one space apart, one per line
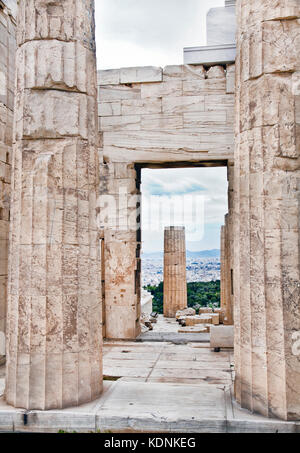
54 306
175 285
267 290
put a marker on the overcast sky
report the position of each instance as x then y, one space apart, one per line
198 197
149 32
154 32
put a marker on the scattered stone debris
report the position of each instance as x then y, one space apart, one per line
146 323
185 312
153 317
193 329
190 322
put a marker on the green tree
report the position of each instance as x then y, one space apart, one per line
200 294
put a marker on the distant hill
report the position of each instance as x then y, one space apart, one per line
215 253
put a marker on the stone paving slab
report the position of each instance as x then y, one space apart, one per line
224 383
207 374
169 363
191 364
177 338
148 407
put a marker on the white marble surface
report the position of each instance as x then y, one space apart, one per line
221 26
218 54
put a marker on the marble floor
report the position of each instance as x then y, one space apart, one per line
155 387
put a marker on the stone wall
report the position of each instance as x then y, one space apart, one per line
7 67
179 115
267 208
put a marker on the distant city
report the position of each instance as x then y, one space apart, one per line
201 266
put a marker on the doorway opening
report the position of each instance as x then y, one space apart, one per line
196 198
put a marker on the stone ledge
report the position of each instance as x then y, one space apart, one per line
210 55
124 76
133 406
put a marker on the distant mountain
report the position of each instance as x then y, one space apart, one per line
215 253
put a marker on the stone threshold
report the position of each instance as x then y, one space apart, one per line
148 407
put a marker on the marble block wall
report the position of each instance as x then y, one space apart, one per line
267 178
7 76
150 116
54 350
176 114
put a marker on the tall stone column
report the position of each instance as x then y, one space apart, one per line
267 208
7 76
175 286
54 305
226 272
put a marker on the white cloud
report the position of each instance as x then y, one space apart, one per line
149 32
154 32
204 209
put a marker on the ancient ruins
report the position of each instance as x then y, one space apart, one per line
73 143
175 287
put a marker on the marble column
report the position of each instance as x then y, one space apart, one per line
54 340
226 273
267 208
175 285
7 76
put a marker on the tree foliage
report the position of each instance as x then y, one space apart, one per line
200 294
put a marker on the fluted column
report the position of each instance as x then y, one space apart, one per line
54 306
175 286
267 164
226 271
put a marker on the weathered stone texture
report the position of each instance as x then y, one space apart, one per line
175 285
54 298
148 115
7 67
227 271
119 203
266 207
144 113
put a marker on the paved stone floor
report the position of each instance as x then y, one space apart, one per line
165 362
166 329
153 387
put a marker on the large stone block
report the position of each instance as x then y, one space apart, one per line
201 87
182 104
120 123
67 66
221 336
184 72
141 106
108 77
140 74
46 112
281 42
155 90
68 21
111 93
109 108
